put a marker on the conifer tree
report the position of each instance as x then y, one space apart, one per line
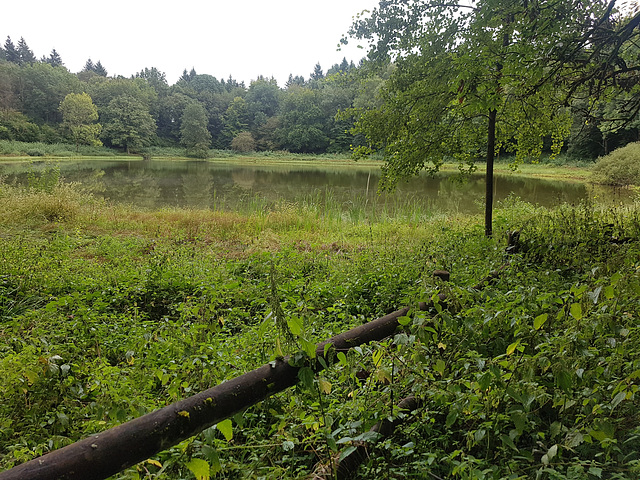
89 66
10 51
317 72
54 59
188 76
26 56
99 69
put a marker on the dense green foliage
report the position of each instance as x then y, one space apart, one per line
621 167
31 92
476 79
107 312
79 115
193 130
299 116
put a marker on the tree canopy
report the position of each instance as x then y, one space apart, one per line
79 117
127 123
193 130
486 76
469 59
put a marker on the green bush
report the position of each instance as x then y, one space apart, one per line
620 168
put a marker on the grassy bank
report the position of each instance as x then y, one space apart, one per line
107 313
10 151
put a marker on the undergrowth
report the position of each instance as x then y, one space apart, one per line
107 313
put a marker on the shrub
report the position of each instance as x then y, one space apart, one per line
243 143
620 168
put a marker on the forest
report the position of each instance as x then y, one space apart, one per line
199 112
301 117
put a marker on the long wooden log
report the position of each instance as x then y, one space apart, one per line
102 455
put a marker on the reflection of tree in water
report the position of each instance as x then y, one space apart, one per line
232 187
538 191
244 178
445 192
93 182
197 186
136 186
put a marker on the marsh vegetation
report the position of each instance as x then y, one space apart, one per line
109 311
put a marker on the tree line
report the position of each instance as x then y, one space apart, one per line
41 100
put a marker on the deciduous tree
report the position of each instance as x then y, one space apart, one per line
302 122
193 130
127 123
485 75
79 117
43 88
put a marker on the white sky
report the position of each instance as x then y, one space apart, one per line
242 38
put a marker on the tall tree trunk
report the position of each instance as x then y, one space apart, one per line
491 153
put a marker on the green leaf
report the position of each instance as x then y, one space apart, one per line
295 325
214 458
618 398
479 434
576 311
264 326
451 418
404 321
551 453
573 439
595 471
199 468
342 358
506 439
512 348
564 379
226 428
439 366
308 347
608 292
540 320
348 451
306 376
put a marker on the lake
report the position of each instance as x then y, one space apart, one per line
246 187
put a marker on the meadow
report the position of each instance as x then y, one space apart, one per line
108 312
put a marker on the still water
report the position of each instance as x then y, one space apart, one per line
229 186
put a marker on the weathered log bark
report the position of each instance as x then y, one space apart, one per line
102 455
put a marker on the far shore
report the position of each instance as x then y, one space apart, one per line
539 170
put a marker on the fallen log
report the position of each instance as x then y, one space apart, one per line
104 454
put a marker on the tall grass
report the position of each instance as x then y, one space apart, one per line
39 149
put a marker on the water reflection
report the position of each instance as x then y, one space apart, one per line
200 184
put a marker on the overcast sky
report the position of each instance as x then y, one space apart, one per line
242 38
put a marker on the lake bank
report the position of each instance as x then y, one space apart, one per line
540 170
